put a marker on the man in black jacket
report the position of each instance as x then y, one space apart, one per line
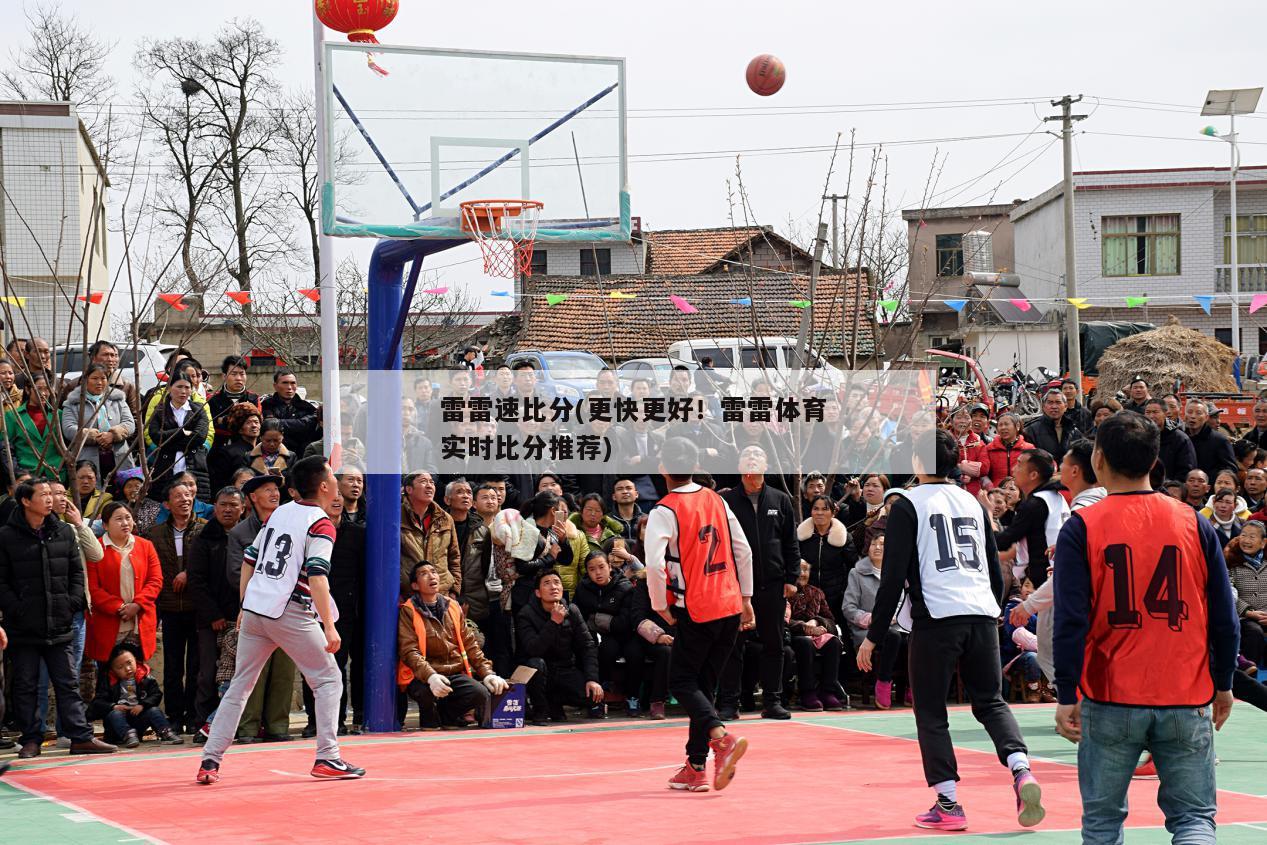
1052 432
1214 450
1176 455
1138 393
1030 526
1258 434
41 589
553 639
769 521
232 391
301 423
215 600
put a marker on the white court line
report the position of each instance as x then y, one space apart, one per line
139 836
496 777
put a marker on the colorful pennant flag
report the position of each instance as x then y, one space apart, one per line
1204 300
555 298
889 305
1079 302
436 291
799 303
312 293
1136 301
745 301
1021 304
241 297
682 305
502 293
19 301
94 298
620 294
957 304
1259 300
174 300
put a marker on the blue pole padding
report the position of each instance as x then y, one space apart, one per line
382 477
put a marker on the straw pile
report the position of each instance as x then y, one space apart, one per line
1163 355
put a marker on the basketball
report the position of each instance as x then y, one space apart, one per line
765 74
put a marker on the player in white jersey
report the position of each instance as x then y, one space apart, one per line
286 604
939 548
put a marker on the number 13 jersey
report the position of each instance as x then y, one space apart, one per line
950 541
296 542
1148 643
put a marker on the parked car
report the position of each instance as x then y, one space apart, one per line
739 359
655 370
144 361
569 374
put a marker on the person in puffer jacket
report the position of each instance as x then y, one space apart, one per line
602 596
1002 453
827 548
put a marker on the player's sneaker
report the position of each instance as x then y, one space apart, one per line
726 753
335 770
1146 769
689 779
943 817
1029 807
208 772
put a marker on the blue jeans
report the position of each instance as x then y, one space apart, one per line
117 723
80 629
1181 740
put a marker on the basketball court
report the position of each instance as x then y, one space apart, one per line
825 778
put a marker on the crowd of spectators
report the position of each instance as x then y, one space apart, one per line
126 518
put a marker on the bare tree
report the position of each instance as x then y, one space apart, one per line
233 74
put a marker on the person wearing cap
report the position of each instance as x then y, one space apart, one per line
980 414
1138 395
1213 448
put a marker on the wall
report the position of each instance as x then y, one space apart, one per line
995 349
1040 252
565 259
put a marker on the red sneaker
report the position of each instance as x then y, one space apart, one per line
208 772
1146 769
689 779
726 753
335 770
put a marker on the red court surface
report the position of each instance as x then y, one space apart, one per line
542 786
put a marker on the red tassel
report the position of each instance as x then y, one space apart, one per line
374 66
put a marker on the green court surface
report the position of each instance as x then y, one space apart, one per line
824 778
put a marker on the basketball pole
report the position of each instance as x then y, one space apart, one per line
328 300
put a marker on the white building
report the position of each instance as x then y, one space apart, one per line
1163 234
52 224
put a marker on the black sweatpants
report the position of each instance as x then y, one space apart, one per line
65 679
610 649
662 656
700 651
769 606
468 694
820 679
207 698
935 652
553 686
1249 690
1253 643
180 668
886 654
742 671
498 645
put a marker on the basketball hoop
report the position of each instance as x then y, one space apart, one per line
505 231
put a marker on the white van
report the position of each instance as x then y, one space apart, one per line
731 354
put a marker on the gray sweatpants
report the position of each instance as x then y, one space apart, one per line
298 633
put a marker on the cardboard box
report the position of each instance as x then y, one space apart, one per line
510 709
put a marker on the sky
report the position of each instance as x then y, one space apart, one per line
913 75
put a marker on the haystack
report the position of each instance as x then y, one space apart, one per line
1165 355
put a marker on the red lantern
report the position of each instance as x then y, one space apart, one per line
359 19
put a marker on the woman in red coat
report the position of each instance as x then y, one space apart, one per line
971 450
124 585
1004 450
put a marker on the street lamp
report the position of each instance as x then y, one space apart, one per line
1231 102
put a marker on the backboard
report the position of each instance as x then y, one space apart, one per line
441 127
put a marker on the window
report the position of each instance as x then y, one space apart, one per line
1223 336
1143 245
1251 245
750 357
721 357
596 262
950 255
538 266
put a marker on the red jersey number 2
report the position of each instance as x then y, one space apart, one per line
1162 598
709 534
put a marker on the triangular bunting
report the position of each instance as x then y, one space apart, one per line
312 293
1204 300
620 294
889 305
682 305
1259 300
1021 304
957 304
799 303
501 293
241 297
19 301
1078 302
1136 301
745 301
174 300
555 298
94 298
436 291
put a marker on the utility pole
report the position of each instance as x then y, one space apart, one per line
807 314
1072 320
835 228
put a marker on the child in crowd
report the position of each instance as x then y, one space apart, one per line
127 700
